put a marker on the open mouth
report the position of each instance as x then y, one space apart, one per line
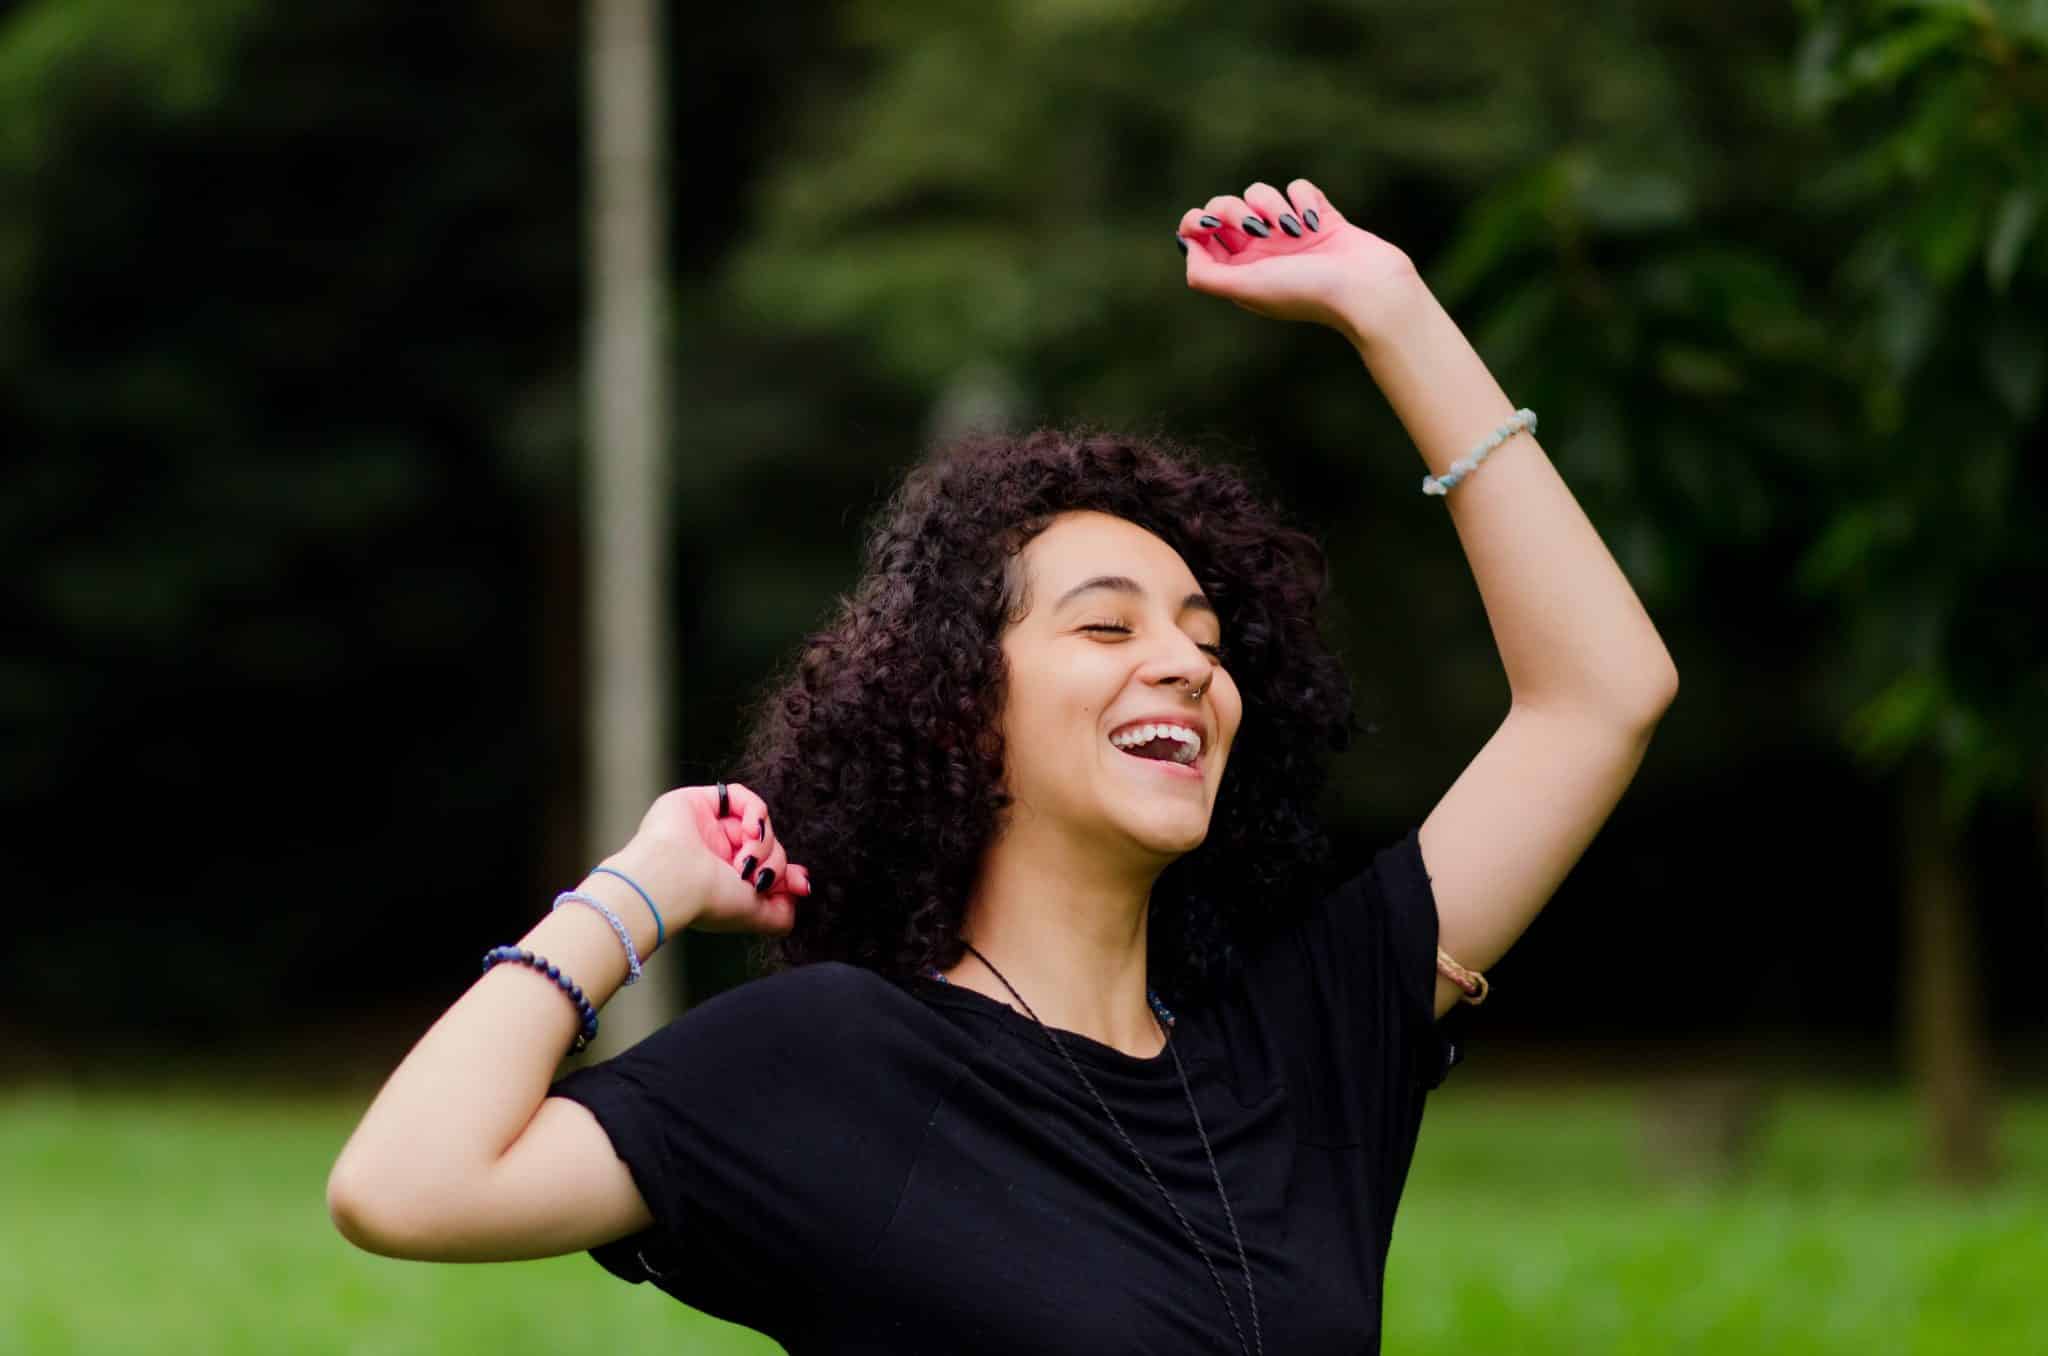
1168 766
1174 757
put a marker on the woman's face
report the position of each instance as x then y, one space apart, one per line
1092 659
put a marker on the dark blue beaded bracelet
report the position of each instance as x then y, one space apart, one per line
567 985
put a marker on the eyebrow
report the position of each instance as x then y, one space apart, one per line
1119 583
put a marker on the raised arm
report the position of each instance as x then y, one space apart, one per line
462 1156
1588 675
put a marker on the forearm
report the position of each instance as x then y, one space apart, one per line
473 1081
1570 629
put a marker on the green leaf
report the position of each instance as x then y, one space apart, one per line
2014 356
1850 538
1878 64
1504 223
1902 713
2011 228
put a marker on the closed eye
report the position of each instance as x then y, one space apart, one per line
1215 652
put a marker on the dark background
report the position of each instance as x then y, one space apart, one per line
291 308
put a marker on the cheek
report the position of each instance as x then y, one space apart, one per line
1048 710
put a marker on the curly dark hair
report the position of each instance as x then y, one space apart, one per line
889 716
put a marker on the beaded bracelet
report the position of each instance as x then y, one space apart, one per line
520 956
618 926
660 932
1516 422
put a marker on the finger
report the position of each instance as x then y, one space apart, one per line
758 832
774 913
1274 210
1311 206
1198 227
769 870
747 809
1233 213
1208 268
698 806
775 908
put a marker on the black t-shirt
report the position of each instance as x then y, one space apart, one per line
851 1164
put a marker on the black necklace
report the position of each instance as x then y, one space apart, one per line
1165 1020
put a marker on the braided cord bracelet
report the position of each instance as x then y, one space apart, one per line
1515 423
521 956
618 926
1471 984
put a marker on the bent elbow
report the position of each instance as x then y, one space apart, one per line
351 1214
368 1219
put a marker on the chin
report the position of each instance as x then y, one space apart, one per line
1173 835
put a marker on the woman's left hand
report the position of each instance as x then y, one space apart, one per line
1310 263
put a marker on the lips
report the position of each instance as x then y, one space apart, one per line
1187 771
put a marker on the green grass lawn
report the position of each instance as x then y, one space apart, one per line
195 1223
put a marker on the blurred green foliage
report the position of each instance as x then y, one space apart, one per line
1773 280
289 332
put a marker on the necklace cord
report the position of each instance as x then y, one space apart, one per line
1188 1092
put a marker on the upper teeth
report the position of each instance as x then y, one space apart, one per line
1190 742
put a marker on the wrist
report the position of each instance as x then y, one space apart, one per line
1379 310
625 903
653 873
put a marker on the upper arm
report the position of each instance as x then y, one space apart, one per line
1516 821
559 1188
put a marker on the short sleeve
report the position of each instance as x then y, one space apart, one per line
1351 992
762 1131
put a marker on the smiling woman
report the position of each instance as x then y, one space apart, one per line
1070 1046
1070 726
1024 598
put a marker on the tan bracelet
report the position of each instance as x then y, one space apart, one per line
1471 982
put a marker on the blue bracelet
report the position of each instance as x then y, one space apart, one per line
618 926
567 985
660 933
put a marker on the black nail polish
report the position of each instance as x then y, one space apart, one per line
764 880
1182 243
747 865
1311 218
1291 226
1256 227
1207 222
761 829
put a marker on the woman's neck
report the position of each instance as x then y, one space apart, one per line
1069 931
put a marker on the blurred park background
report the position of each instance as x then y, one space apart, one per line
352 355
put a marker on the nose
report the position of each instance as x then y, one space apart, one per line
1189 668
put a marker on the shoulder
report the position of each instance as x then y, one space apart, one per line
822 984
831 1003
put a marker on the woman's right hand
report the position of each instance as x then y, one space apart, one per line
685 853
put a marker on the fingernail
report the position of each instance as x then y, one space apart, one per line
761 829
1256 227
1207 222
1311 218
747 865
1291 226
764 880
1182 243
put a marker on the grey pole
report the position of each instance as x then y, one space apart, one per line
626 427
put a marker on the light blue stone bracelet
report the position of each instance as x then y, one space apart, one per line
1516 422
618 926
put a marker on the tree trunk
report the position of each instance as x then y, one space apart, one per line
1945 1042
626 432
